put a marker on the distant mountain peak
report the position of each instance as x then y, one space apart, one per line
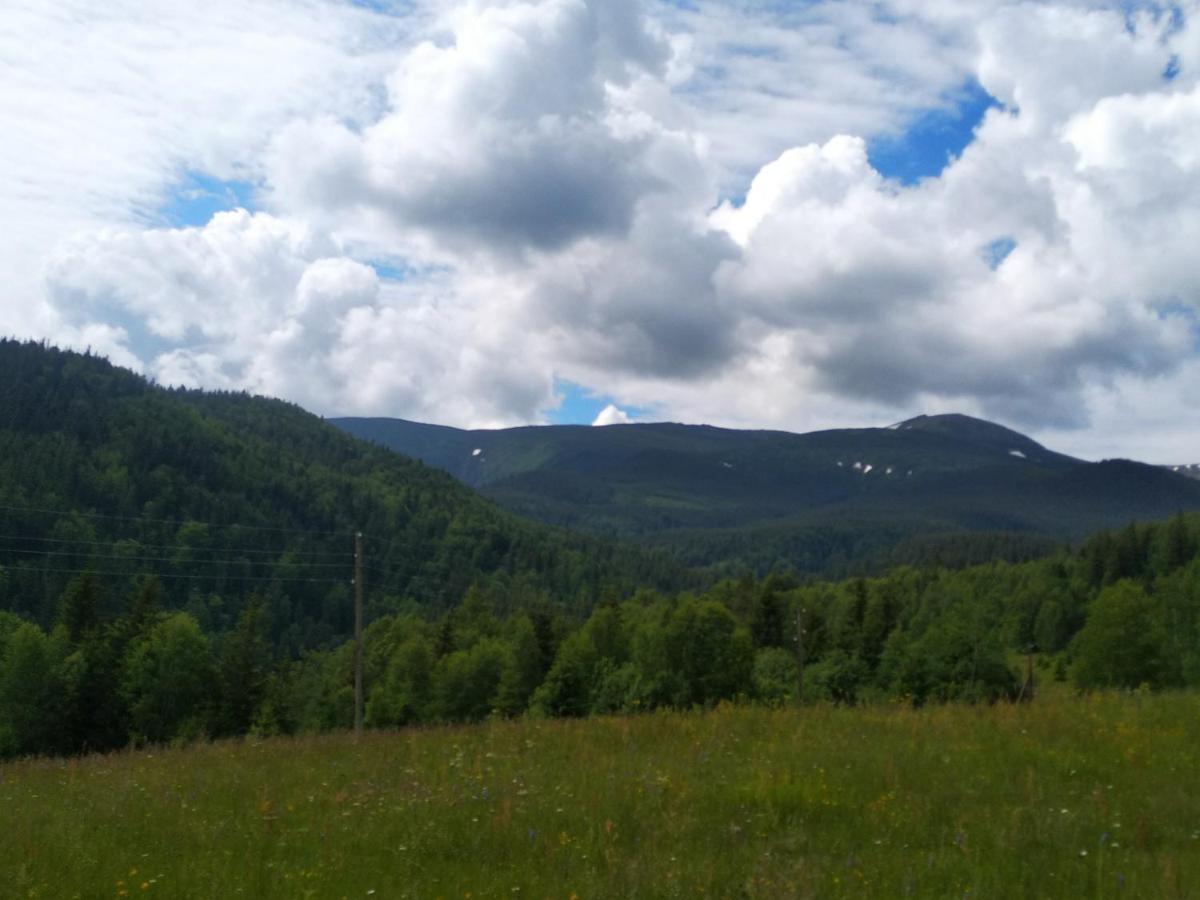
951 422
729 497
978 431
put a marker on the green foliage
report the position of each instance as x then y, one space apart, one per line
838 678
568 686
712 655
402 696
242 672
524 669
466 683
775 676
167 680
31 693
769 626
230 496
959 658
925 636
1124 642
79 611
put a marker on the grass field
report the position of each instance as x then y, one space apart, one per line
1068 797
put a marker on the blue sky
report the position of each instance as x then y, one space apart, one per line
933 138
580 406
197 197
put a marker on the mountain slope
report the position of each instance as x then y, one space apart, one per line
830 494
1190 471
224 495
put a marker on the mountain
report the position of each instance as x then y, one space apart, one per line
1191 471
227 496
814 502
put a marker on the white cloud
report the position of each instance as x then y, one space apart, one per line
108 105
504 137
260 303
548 177
760 78
611 415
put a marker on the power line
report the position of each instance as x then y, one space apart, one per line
258 578
61 512
46 548
170 559
142 546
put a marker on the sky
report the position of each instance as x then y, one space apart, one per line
500 212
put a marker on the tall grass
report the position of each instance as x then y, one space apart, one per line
1067 797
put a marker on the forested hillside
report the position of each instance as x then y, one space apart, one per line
1122 612
850 501
228 496
175 564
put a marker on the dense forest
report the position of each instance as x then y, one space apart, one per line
224 496
1122 611
177 564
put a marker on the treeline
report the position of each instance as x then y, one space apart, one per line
849 548
1123 611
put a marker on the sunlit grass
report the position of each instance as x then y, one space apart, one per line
1067 797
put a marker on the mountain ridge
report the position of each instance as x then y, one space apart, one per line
663 483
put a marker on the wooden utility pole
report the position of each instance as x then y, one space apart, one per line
1027 686
799 655
358 637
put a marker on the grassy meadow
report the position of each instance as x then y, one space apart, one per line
1068 797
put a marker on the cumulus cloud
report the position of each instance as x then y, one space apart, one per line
504 137
252 301
889 298
884 292
611 415
675 202
110 105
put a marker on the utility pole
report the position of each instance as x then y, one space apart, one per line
358 638
799 655
1027 686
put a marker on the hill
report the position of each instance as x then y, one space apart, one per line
823 502
224 496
